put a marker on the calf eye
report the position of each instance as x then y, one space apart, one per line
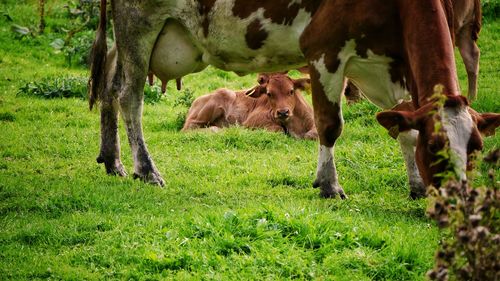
268 94
291 92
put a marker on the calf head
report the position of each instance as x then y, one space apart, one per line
451 128
281 90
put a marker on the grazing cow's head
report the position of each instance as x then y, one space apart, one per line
281 91
454 128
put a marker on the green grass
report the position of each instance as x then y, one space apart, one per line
236 205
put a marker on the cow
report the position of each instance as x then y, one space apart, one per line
467 25
392 50
275 104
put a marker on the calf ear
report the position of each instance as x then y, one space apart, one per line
486 122
302 84
262 78
397 121
255 92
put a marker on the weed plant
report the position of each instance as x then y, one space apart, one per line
470 217
50 88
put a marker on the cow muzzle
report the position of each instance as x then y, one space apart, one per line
283 114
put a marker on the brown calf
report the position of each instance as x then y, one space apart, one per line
275 105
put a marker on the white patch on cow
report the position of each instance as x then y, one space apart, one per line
333 83
407 141
458 124
371 75
225 46
326 171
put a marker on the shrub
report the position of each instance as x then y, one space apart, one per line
152 94
76 48
471 217
50 88
84 18
185 99
491 9
84 11
180 120
73 87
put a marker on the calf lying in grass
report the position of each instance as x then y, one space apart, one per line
275 104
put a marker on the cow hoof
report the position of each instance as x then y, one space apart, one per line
417 190
414 195
114 167
328 190
152 178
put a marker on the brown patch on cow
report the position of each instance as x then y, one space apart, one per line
327 115
279 12
255 35
204 8
397 72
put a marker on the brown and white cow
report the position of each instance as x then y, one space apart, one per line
276 104
388 48
467 25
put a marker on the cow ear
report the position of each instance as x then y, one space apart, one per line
486 122
262 78
397 121
302 84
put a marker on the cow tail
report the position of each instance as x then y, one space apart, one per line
96 83
476 25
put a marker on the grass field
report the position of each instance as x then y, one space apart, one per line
236 205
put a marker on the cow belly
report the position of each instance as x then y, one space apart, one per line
253 43
174 54
373 77
371 74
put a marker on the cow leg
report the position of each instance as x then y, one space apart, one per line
135 40
131 104
203 114
110 142
109 153
407 141
470 55
329 123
